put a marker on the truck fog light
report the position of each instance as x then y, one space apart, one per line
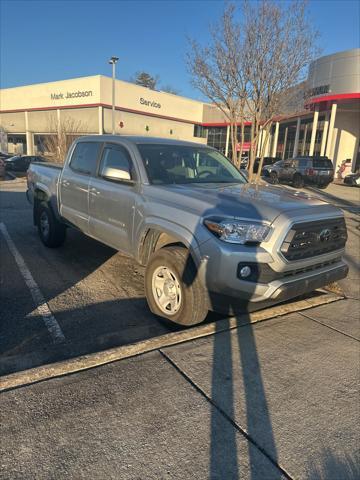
245 272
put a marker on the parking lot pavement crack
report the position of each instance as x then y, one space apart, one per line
225 415
328 326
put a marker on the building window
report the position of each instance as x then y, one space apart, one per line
217 138
247 133
199 131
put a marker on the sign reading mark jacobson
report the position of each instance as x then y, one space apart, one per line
76 94
149 103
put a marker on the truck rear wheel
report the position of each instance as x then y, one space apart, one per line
173 289
52 232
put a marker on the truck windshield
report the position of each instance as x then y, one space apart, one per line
168 164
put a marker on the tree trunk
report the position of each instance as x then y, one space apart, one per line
252 155
262 152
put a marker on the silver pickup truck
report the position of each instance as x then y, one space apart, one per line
208 238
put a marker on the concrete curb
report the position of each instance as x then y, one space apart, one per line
87 362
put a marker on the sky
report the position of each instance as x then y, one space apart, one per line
44 41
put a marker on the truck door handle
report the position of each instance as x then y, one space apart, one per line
94 191
65 183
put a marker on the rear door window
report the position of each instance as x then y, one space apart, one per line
84 157
323 163
303 163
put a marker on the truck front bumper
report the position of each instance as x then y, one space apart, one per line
247 297
281 290
272 282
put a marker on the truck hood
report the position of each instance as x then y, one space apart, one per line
261 202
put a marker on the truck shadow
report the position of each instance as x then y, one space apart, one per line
92 329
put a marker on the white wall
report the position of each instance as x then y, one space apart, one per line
345 139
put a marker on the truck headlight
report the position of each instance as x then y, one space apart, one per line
238 231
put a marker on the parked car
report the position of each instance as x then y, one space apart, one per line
2 168
267 161
244 162
20 163
352 180
209 240
318 171
3 155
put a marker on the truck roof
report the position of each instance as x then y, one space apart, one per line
140 139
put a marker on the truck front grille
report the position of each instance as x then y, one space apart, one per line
310 239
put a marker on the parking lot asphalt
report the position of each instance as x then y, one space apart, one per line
278 399
85 283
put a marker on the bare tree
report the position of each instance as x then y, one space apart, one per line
251 62
217 71
279 42
56 145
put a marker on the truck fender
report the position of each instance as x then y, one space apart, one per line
157 233
43 194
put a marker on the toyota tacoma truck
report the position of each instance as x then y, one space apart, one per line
209 239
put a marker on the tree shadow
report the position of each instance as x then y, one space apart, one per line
335 467
228 348
227 392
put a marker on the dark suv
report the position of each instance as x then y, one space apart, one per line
318 171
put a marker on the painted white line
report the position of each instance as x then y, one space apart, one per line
39 300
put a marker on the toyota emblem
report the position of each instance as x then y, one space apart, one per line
324 235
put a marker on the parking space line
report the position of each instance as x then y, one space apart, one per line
41 306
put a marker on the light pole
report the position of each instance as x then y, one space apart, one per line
112 62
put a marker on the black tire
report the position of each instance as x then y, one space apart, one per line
193 306
322 186
273 178
54 235
298 181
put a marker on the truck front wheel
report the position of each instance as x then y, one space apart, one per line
52 232
173 289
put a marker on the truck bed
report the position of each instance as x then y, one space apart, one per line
44 175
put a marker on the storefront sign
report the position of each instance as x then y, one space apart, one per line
149 103
76 94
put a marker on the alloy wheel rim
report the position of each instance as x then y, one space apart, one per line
166 290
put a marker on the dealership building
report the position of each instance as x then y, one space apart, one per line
328 125
330 122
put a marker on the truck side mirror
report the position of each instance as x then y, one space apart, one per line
116 174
